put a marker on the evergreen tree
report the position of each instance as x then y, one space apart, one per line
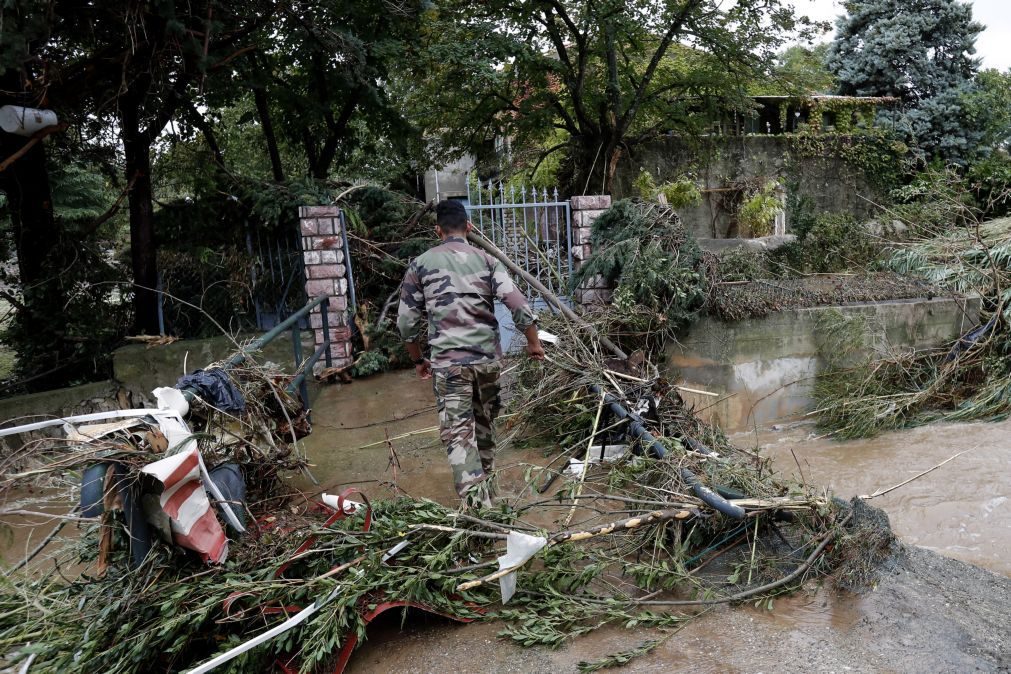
920 51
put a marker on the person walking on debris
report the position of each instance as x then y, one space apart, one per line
457 285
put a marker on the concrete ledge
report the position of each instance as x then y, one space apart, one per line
141 369
765 367
56 403
761 243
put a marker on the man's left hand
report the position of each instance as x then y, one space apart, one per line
424 370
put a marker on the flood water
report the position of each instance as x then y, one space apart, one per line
961 510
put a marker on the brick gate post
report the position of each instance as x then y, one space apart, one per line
585 210
326 272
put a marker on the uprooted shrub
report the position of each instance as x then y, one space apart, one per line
657 270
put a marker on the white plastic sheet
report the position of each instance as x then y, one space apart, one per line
519 548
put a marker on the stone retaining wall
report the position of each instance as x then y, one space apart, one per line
763 369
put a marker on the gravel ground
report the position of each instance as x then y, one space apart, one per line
754 299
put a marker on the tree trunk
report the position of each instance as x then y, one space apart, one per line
263 112
143 253
37 237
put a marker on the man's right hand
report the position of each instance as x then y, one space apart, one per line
424 369
535 350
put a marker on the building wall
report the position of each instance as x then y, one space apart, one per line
450 181
830 182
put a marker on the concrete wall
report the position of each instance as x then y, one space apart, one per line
763 369
141 369
450 181
831 183
83 399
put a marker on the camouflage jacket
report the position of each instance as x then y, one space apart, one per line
457 285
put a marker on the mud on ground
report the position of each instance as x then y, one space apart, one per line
927 613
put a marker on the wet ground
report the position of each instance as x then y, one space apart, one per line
927 613
961 510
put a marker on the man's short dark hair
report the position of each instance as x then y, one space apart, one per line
451 216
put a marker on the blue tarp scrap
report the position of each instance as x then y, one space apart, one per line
215 387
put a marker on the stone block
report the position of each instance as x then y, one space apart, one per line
319 211
331 256
326 243
310 226
581 252
341 286
326 227
311 257
340 271
590 202
325 270
338 303
581 235
317 287
316 320
340 334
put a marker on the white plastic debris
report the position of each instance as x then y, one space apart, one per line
547 337
519 548
609 453
333 501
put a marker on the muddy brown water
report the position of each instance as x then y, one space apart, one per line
961 510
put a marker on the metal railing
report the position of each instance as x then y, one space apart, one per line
534 227
293 324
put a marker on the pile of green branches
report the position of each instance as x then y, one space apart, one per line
656 268
877 389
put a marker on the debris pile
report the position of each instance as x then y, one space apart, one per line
677 520
867 390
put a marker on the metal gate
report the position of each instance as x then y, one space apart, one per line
531 226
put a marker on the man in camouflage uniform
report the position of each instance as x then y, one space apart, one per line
457 285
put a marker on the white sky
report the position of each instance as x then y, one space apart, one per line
993 44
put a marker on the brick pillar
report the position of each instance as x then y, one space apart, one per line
585 210
326 272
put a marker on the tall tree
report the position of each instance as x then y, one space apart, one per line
610 74
920 51
133 67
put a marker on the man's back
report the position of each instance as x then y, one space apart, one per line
457 284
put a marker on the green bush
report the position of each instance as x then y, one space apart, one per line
990 181
757 214
644 251
743 264
679 193
837 242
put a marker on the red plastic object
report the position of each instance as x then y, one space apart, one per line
291 665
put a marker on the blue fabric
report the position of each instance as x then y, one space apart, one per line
216 387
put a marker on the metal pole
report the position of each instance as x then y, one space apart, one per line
296 341
568 236
352 299
324 308
704 493
526 237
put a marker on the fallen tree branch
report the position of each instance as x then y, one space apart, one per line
574 535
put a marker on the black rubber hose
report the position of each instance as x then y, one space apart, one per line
704 493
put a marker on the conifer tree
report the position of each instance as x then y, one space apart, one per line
921 51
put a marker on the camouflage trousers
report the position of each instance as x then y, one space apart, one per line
468 400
